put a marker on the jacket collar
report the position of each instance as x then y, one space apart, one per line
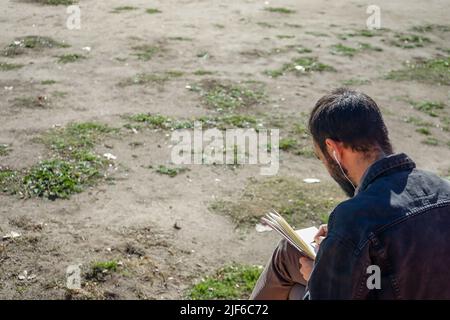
391 163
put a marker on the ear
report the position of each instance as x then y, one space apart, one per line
334 146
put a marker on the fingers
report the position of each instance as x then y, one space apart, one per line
321 234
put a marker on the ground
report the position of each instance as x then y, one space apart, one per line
141 227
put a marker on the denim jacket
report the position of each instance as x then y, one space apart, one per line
390 241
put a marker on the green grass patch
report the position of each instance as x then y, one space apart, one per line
266 25
433 71
151 78
231 282
153 11
300 203
355 82
56 2
203 72
287 143
280 10
299 66
343 50
48 82
31 43
317 34
70 58
146 52
229 96
99 270
4 150
4 66
285 36
180 38
424 131
123 8
431 28
409 41
431 141
170 171
72 167
431 108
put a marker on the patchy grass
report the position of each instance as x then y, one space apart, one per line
31 43
355 82
431 108
70 58
344 50
180 38
146 52
317 34
99 270
150 78
424 131
203 72
279 10
48 82
73 165
288 143
301 204
303 65
433 71
266 25
157 121
4 150
123 8
4 66
409 41
285 36
171 172
153 11
229 96
431 28
431 141
231 282
56 2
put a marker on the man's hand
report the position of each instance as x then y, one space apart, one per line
306 266
321 234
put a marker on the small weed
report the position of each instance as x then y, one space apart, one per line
304 65
153 11
36 43
171 172
123 8
4 66
48 82
409 41
355 82
179 38
99 270
279 10
317 34
431 28
4 150
56 2
343 50
433 71
203 72
229 96
265 25
232 282
149 78
429 107
418 122
70 58
424 131
146 52
287 143
431 141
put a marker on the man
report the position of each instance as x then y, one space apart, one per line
390 240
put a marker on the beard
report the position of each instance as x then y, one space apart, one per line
341 180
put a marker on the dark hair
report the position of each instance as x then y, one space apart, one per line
352 118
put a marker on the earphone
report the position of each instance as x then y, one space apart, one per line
342 170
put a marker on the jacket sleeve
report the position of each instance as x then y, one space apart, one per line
338 272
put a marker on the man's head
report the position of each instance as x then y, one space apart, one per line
349 134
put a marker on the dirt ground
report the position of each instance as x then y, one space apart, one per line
131 218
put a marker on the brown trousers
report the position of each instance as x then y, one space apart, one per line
281 278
